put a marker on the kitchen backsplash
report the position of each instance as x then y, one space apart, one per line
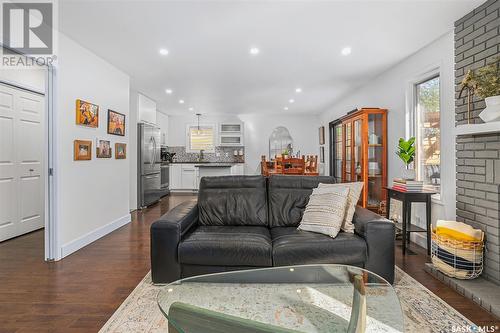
226 155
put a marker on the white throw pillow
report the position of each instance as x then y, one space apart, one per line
325 212
352 200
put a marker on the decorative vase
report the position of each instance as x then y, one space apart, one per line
492 110
408 174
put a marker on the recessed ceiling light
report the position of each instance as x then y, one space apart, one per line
191 109
346 50
169 91
298 90
163 52
285 108
254 51
291 100
181 101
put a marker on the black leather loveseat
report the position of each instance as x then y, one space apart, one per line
242 222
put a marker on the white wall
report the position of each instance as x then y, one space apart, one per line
93 196
257 129
389 91
33 79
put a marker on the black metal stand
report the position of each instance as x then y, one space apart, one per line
407 198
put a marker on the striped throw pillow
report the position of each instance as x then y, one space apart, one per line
325 212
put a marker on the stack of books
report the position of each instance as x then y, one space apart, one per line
408 185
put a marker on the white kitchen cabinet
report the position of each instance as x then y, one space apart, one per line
231 134
189 177
162 122
146 109
183 177
238 169
175 173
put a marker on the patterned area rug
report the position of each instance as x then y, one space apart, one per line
424 311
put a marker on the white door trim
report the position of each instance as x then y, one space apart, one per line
51 243
52 247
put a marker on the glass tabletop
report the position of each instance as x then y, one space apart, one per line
307 298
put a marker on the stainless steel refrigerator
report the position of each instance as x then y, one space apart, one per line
149 162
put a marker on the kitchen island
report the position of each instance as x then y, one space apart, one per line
185 176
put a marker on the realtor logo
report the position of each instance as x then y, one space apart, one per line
27 28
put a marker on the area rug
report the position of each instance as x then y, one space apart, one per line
423 310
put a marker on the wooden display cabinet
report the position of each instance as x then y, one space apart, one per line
364 153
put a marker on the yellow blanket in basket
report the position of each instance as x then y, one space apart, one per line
458 231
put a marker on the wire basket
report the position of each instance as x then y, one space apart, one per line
456 258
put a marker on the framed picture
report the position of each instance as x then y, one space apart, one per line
120 151
87 114
82 150
103 149
322 154
322 135
116 123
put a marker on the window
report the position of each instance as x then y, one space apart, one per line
201 138
427 132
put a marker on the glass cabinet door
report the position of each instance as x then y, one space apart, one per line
338 152
358 151
348 148
375 160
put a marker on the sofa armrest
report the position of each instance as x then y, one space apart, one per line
166 234
379 234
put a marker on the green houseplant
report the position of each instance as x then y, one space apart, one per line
485 83
406 152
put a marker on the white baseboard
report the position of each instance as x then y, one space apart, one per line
94 235
419 239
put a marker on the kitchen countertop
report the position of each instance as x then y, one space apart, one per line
209 163
214 165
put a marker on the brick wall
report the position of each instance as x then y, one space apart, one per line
477 43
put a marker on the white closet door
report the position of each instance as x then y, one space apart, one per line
22 151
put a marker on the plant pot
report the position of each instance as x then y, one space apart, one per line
409 174
492 110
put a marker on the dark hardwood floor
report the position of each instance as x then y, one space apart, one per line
80 293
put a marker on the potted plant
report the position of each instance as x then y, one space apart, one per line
285 153
406 152
486 84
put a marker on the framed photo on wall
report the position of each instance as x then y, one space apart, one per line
120 151
82 150
322 135
116 123
103 149
87 114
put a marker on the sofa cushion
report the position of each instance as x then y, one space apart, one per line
227 246
288 197
233 200
297 247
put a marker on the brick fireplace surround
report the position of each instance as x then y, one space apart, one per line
478 156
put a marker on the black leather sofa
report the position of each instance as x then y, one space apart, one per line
243 222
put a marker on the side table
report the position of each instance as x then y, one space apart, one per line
407 198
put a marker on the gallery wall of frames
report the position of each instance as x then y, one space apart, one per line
87 115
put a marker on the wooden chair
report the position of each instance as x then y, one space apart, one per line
294 166
312 165
264 170
278 165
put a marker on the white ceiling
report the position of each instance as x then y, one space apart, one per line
300 42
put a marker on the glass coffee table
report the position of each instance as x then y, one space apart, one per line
306 298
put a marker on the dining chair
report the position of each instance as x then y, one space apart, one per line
294 166
312 165
264 170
